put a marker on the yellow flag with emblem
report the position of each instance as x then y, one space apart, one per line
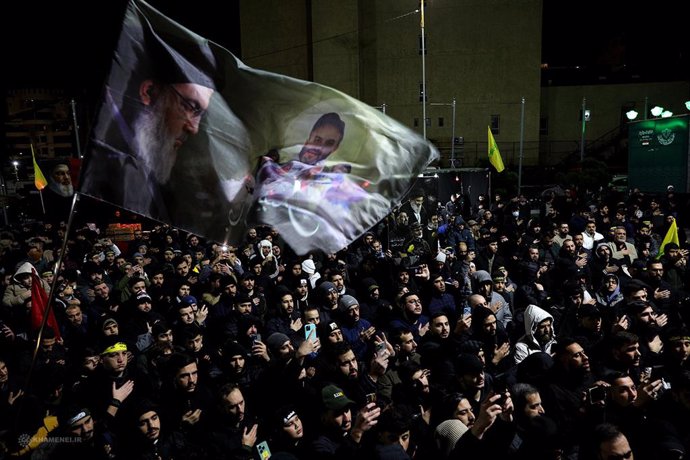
671 237
39 179
494 155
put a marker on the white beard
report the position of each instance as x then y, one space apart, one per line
156 146
62 190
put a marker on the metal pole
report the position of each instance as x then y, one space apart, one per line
646 107
3 192
76 127
383 107
452 141
522 142
421 7
582 135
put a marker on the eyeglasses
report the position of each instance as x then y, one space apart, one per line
626 455
191 107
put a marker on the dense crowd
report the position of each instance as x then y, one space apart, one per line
501 328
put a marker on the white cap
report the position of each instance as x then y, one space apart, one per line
308 266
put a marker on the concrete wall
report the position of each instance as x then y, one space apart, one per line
484 53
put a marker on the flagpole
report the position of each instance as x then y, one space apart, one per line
421 23
76 127
39 179
43 206
582 134
53 287
522 142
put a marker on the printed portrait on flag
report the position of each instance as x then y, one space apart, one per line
165 144
315 194
189 135
53 179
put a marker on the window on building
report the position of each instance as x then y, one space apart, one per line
426 44
441 122
544 126
496 124
422 96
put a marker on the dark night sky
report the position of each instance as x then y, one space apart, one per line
69 44
618 39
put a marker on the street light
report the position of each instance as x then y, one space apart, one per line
585 118
687 105
666 114
657 110
15 163
631 114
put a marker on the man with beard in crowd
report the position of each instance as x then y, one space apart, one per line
563 396
186 398
152 437
539 335
233 432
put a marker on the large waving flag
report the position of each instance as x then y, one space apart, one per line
189 135
494 155
671 237
39 179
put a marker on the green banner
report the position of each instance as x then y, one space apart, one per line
658 154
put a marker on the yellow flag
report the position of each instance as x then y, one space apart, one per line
671 237
39 179
494 155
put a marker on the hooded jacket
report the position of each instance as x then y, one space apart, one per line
609 299
16 293
527 344
502 312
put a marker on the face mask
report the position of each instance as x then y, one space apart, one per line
516 213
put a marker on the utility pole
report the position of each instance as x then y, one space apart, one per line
421 23
582 135
522 142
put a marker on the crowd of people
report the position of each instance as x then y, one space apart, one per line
502 328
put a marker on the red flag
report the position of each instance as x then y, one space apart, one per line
39 305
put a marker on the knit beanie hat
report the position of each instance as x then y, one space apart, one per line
447 434
276 340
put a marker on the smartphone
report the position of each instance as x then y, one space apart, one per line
596 394
263 450
310 332
466 311
255 338
500 388
371 398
